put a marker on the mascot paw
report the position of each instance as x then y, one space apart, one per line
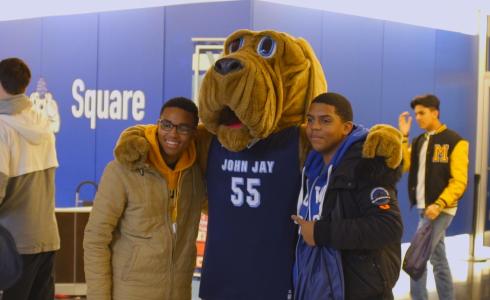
132 147
385 141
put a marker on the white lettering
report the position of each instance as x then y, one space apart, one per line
115 106
238 166
78 85
90 98
127 95
263 167
138 109
105 104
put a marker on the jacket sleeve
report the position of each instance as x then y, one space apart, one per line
378 225
4 165
406 151
108 207
3 186
458 167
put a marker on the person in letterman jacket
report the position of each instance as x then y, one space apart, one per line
437 162
347 209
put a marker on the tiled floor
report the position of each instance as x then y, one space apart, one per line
476 287
471 279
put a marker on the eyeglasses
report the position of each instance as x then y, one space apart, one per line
167 126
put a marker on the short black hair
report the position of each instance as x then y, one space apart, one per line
14 75
183 103
427 100
342 106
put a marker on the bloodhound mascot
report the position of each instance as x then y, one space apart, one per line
251 146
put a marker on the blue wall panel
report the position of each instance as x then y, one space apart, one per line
70 52
378 65
352 60
456 86
184 22
297 21
408 70
130 58
23 39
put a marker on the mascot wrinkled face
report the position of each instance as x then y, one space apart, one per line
264 83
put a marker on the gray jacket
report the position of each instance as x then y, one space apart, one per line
27 169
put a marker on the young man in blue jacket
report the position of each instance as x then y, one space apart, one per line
350 224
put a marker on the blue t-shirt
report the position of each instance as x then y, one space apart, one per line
251 238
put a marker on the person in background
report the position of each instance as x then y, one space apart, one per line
140 240
27 182
437 161
350 223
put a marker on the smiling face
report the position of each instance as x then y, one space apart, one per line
325 129
175 133
264 83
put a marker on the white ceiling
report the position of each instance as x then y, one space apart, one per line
454 15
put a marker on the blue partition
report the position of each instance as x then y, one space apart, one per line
456 85
378 65
408 70
184 22
297 21
69 53
352 59
23 38
130 64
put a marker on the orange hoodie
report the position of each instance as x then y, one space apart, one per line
172 177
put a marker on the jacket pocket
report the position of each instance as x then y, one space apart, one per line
145 266
362 276
129 266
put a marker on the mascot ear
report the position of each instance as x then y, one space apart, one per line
317 83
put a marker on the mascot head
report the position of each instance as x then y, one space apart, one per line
264 82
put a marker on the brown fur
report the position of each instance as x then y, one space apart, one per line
384 140
267 95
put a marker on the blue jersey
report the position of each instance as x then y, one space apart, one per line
251 237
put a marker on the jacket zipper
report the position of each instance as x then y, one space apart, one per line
172 228
173 231
173 234
299 234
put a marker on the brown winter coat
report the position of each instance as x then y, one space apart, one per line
130 249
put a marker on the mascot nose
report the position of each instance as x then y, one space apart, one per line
227 65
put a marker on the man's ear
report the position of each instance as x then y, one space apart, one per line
348 127
437 113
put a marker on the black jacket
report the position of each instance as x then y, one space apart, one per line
437 166
361 218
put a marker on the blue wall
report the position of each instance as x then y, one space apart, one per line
378 65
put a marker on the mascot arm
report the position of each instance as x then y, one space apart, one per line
133 138
132 147
203 142
304 146
385 141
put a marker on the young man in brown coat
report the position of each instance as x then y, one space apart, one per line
140 239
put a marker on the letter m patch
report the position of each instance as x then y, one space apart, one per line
441 153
